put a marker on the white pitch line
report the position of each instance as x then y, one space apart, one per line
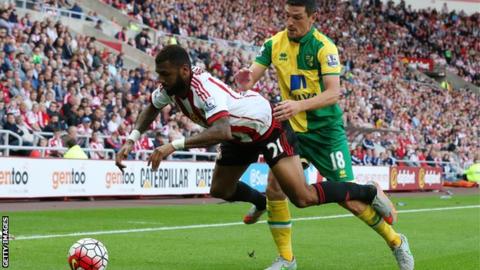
201 226
144 222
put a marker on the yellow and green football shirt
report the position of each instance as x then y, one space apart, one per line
300 66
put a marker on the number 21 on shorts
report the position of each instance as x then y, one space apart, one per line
338 162
276 147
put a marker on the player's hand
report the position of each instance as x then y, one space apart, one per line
122 154
159 154
243 77
286 109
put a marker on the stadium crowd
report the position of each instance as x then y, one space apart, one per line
52 80
447 37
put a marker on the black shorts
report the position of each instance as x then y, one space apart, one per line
280 142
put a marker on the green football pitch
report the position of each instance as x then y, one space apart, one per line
443 234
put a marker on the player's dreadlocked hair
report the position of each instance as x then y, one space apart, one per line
310 5
174 54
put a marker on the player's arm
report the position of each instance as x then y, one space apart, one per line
146 117
248 77
330 96
219 131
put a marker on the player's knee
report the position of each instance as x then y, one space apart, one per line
300 202
220 193
274 192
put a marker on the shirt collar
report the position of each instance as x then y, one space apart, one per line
305 38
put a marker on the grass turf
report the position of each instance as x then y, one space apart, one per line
439 239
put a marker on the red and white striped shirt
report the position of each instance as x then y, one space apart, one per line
210 99
54 142
97 146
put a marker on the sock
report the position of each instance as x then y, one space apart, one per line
330 191
281 227
244 193
377 223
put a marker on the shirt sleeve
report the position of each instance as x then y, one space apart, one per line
329 60
264 56
160 99
214 102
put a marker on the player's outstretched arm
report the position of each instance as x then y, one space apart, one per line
246 78
220 131
146 117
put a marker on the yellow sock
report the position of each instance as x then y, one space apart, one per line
377 223
281 227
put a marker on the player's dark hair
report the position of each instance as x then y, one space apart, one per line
174 54
310 5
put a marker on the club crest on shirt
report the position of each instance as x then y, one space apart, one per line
332 60
309 60
210 104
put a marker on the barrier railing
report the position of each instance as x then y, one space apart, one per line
6 138
54 11
109 153
44 134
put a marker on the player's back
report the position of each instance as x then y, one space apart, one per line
250 114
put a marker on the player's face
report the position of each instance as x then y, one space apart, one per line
298 21
174 80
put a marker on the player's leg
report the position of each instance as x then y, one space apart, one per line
333 161
281 155
230 165
279 220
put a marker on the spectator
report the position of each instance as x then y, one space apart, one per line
55 142
368 142
368 158
40 153
74 151
113 142
158 141
27 135
114 123
12 126
85 127
77 9
391 160
98 25
122 35
96 143
375 158
2 113
358 155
